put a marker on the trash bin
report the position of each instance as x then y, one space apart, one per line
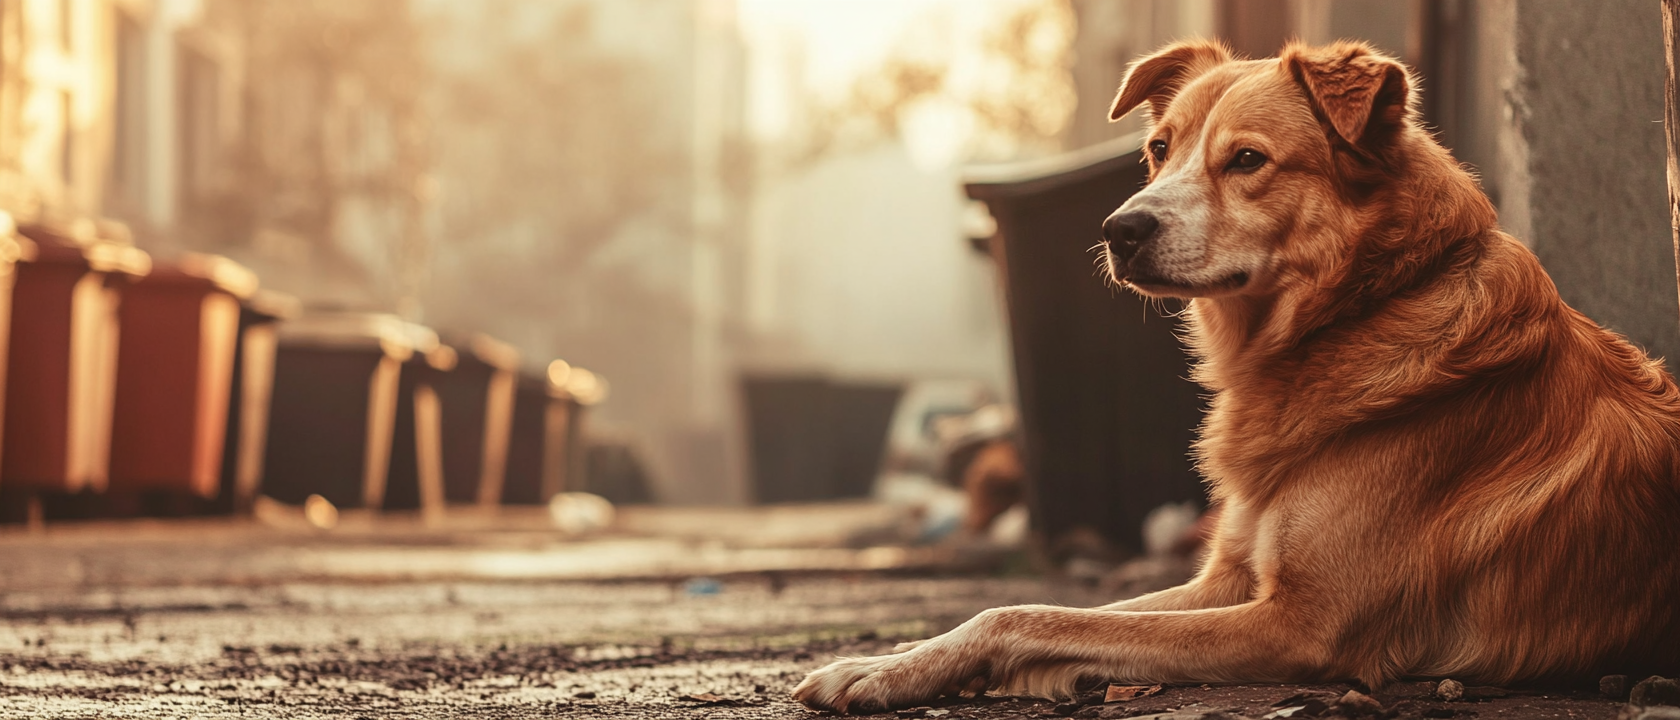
1106 410
180 329
477 398
13 249
547 446
334 407
248 406
415 478
815 438
62 360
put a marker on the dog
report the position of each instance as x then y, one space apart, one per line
1428 465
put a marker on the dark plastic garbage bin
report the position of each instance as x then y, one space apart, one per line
246 438
334 407
547 446
477 398
180 326
415 478
1107 412
62 360
816 438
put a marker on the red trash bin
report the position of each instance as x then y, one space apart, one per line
62 359
180 327
13 249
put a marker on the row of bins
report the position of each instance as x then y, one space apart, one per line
181 389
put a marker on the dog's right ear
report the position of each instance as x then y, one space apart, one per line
1157 78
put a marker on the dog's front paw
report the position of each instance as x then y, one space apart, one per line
884 682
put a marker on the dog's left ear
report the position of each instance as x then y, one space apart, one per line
1362 93
1155 79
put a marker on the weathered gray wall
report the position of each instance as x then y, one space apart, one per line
1562 115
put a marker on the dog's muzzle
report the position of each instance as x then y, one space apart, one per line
1126 232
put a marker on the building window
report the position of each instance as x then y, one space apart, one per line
200 141
66 24
67 141
128 166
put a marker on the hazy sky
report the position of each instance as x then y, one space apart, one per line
822 45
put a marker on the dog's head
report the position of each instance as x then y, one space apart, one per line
1254 165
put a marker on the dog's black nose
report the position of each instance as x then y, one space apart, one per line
1124 232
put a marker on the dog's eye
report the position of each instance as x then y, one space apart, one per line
1158 151
1246 160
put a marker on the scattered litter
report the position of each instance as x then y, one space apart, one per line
1010 528
320 512
576 513
1165 526
703 586
1123 693
1449 690
1356 703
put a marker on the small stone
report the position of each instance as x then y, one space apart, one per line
1356 703
1449 690
1066 709
1655 690
585 695
1614 686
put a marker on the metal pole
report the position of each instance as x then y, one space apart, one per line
1671 122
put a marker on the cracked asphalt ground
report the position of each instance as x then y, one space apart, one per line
502 619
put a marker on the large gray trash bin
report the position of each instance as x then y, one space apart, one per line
1107 412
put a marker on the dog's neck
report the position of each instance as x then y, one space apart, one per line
1402 237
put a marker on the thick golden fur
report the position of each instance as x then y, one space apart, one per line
1428 464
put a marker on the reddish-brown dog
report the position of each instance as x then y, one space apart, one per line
1429 464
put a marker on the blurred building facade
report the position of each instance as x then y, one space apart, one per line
332 147
1557 105
593 174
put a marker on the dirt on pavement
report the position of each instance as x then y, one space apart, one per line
177 622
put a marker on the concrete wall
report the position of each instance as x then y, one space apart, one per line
1562 110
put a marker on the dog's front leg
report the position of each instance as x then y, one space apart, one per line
1222 583
1045 650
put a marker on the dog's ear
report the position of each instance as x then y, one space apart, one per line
1360 92
1157 78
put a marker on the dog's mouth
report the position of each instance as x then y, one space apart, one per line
1159 286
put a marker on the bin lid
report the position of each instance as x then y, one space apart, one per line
83 241
398 338
569 381
270 306
220 272
1035 177
15 249
351 330
485 349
